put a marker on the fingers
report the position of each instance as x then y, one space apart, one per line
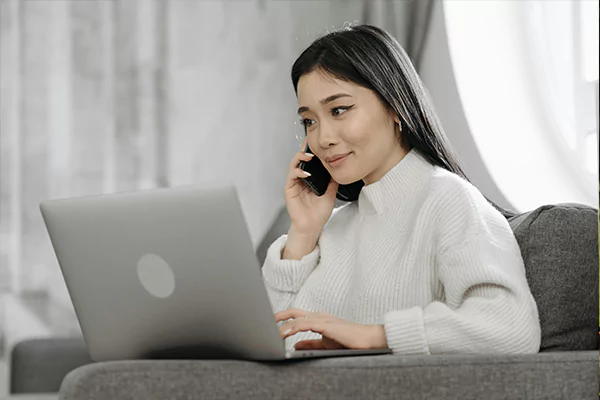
293 314
302 325
300 156
299 173
303 144
290 313
316 344
285 329
295 172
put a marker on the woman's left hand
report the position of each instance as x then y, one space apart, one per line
337 333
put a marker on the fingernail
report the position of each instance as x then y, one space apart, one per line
309 154
306 173
288 331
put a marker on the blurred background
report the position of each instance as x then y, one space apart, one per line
105 96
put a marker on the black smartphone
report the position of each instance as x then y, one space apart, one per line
319 180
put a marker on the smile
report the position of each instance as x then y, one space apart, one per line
338 161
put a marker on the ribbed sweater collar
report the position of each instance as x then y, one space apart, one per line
397 185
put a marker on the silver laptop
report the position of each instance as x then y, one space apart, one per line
167 273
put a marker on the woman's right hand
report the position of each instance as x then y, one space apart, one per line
308 212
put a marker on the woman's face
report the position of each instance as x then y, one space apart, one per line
348 128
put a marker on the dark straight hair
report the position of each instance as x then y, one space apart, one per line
370 57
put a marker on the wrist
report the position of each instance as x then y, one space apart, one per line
303 236
378 338
298 245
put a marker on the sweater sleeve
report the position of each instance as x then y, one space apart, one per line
487 305
284 278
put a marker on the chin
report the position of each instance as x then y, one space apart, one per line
345 179
345 174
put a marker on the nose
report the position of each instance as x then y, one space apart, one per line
328 137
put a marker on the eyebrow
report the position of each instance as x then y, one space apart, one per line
325 101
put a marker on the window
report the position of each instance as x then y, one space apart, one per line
564 44
589 14
526 73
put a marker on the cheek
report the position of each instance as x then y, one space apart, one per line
357 134
360 141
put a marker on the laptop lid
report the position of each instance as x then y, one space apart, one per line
163 272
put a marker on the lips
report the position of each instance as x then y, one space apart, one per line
335 157
338 160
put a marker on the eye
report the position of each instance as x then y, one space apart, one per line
336 112
342 109
305 122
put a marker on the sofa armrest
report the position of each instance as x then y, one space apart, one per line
564 375
40 365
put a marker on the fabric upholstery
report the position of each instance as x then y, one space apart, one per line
40 365
559 245
566 375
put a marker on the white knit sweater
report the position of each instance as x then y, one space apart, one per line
423 253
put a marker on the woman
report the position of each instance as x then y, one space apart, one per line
421 263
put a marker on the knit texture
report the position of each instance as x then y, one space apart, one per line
424 254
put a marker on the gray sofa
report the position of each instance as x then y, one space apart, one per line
560 248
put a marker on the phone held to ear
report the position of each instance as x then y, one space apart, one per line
319 180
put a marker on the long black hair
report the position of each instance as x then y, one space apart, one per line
370 57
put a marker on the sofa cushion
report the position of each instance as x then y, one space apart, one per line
566 375
559 245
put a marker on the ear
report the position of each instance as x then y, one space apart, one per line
393 116
396 119
397 122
